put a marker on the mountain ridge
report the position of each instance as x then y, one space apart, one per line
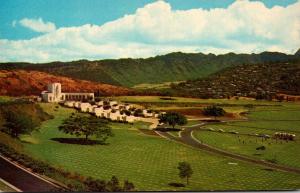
261 81
23 82
176 66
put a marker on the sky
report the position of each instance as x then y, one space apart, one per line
66 30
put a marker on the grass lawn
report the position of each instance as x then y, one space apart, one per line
150 162
262 121
163 85
183 105
157 99
174 133
192 122
284 153
5 98
234 109
134 126
5 188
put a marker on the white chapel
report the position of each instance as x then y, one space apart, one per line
54 94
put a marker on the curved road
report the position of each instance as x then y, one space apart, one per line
187 138
24 180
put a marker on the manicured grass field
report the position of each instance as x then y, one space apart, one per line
5 98
192 122
232 106
262 121
150 162
283 152
163 85
5 188
157 99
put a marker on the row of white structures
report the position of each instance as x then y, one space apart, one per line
113 113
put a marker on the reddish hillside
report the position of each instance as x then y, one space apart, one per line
21 82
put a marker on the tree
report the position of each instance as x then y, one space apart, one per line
173 118
185 171
138 113
113 185
95 185
127 112
87 126
17 124
128 186
167 94
213 111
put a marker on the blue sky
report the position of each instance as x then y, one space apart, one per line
66 13
28 23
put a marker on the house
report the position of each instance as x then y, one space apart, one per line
111 110
111 103
54 94
131 119
92 108
147 113
84 107
128 106
100 103
115 106
69 103
116 116
77 104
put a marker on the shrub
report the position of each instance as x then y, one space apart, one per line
106 107
261 148
176 184
167 98
272 160
127 112
213 111
164 129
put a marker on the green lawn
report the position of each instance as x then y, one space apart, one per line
163 85
157 99
174 133
150 162
5 98
262 121
5 188
284 153
192 122
234 109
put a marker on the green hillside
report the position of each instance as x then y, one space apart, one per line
167 68
261 81
22 107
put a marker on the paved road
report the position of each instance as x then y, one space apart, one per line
186 138
22 179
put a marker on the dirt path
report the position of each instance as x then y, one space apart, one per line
186 137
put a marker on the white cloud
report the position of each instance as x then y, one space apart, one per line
14 23
243 27
37 25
